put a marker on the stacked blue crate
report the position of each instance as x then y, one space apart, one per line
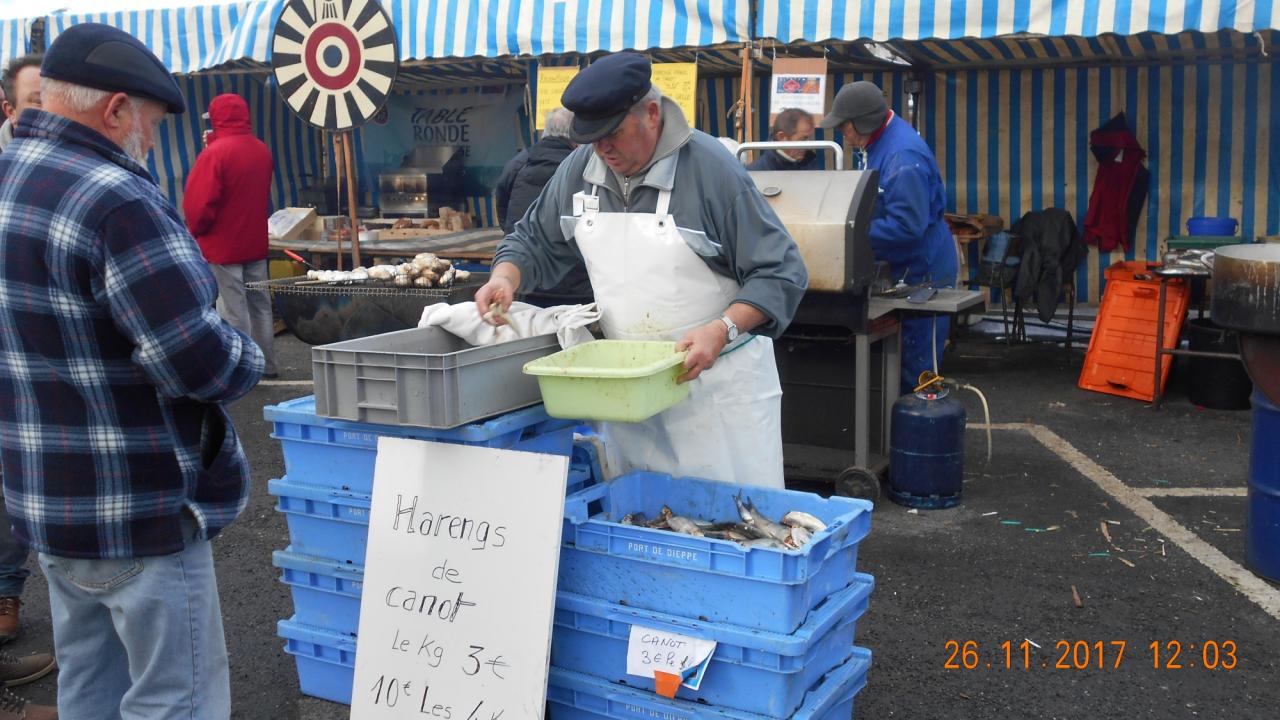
325 497
784 621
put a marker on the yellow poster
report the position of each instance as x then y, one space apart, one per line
679 81
551 84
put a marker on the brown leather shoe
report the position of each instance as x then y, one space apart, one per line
16 670
10 619
14 707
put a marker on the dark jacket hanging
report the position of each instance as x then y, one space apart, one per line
1051 252
1120 188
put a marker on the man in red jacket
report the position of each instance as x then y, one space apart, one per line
226 204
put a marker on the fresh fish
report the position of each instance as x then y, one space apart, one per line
634 519
795 519
751 531
798 538
768 542
658 523
731 535
743 511
680 524
776 531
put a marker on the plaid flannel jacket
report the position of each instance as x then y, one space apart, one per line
113 362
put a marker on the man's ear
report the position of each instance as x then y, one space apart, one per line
8 110
116 111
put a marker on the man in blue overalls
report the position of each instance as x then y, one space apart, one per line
907 229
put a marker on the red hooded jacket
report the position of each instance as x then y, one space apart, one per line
229 189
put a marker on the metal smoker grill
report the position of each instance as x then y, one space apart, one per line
838 365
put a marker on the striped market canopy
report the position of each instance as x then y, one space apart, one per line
824 20
202 37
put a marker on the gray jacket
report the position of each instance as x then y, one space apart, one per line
711 193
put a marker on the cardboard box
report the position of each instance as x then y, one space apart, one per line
290 223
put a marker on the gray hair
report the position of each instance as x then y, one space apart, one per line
558 123
642 105
79 98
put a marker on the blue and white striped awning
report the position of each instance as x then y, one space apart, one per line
823 20
188 39
15 38
191 39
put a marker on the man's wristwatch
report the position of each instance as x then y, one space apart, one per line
733 329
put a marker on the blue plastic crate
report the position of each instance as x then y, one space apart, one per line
340 454
575 696
752 671
324 522
771 590
326 660
326 593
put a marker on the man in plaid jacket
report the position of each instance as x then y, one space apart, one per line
119 461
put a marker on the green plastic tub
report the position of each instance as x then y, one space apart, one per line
614 380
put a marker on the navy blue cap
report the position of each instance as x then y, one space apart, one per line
105 58
601 95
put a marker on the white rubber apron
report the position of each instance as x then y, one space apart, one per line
650 285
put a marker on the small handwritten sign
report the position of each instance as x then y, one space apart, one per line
679 81
459 584
652 651
551 84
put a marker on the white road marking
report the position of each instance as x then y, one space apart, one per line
1194 492
286 383
1135 500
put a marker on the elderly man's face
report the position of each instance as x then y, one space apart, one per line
852 136
139 134
631 146
26 92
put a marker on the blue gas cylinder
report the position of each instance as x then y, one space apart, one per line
926 450
1262 524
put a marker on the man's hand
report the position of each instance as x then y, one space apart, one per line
704 344
498 293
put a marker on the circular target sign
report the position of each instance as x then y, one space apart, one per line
335 61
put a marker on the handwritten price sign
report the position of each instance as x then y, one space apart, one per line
453 532
650 651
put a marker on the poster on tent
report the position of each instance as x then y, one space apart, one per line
798 83
551 84
459 582
679 81
482 126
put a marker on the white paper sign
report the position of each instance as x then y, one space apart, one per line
459 584
649 651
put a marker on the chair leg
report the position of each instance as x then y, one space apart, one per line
1071 313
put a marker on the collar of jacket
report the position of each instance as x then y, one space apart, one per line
42 125
876 135
660 173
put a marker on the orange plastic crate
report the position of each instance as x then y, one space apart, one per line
1122 350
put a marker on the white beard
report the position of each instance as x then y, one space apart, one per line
133 142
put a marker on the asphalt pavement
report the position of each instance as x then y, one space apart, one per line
952 586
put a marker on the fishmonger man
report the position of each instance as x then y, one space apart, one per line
679 245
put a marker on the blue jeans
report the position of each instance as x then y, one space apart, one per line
139 637
13 559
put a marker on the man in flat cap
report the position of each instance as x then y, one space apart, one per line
907 229
120 462
679 246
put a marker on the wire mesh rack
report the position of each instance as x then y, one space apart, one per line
368 288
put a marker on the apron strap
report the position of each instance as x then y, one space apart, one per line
664 204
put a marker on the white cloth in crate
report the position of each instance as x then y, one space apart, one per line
568 322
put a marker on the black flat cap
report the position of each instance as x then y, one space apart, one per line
601 95
102 57
863 103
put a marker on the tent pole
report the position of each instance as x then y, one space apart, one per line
349 152
338 165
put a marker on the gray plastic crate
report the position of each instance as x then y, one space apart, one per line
425 377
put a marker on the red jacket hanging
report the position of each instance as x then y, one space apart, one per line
1119 190
229 189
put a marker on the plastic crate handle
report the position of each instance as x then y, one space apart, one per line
575 506
654 709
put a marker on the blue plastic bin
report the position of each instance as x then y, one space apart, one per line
326 593
575 696
324 522
756 672
326 660
341 454
1220 226
771 590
